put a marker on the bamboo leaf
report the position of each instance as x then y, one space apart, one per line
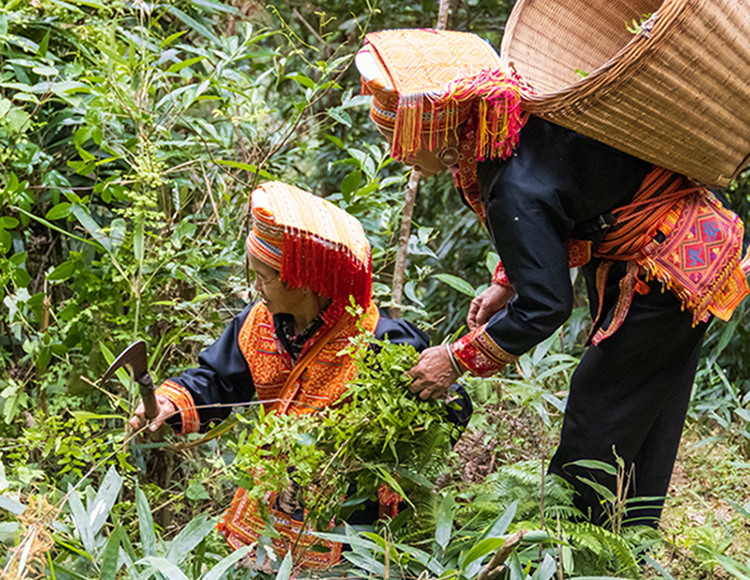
138 241
423 558
109 356
354 541
111 556
546 570
52 226
445 521
161 567
83 217
195 25
367 563
285 570
11 505
190 536
480 550
457 284
81 521
218 571
145 523
27 542
390 480
246 167
594 464
171 38
216 6
501 524
178 66
105 499
726 336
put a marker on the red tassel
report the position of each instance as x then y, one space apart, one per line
327 269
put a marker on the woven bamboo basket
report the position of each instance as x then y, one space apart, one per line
676 93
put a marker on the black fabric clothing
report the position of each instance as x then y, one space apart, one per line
629 395
223 380
631 392
557 181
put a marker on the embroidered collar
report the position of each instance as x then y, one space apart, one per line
284 327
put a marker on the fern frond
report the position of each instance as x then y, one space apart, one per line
606 545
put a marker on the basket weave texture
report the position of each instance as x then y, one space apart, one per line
676 94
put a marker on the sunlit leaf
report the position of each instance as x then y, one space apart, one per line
227 563
145 523
190 536
162 568
11 505
178 66
105 499
457 284
246 167
445 521
479 550
285 570
61 210
62 272
501 524
81 521
111 556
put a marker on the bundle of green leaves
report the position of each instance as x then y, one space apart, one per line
337 458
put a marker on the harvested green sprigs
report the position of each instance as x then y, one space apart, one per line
378 433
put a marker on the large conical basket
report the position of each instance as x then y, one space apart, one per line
674 91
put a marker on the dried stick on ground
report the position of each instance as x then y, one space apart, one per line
496 567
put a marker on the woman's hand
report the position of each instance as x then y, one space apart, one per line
492 300
164 410
433 374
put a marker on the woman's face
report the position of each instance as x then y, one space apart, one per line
426 160
274 294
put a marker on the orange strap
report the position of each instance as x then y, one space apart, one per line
638 221
291 388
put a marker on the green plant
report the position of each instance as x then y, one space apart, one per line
86 547
378 434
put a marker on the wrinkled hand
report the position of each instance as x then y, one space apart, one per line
433 374
492 300
164 409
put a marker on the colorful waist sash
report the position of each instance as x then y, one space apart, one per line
682 236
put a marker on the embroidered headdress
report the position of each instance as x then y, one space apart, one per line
312 243
430 82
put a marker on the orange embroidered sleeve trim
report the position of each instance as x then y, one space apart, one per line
183 400
481 355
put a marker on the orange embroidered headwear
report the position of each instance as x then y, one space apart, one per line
312 243
429 82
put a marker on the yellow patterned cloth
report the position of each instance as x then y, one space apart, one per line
427 83
313 243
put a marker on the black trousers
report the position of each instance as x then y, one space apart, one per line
630 393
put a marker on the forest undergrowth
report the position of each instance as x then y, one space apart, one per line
131 134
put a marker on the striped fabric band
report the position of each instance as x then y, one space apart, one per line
481 355
265 251
183 400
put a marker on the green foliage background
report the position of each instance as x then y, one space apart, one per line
131 134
